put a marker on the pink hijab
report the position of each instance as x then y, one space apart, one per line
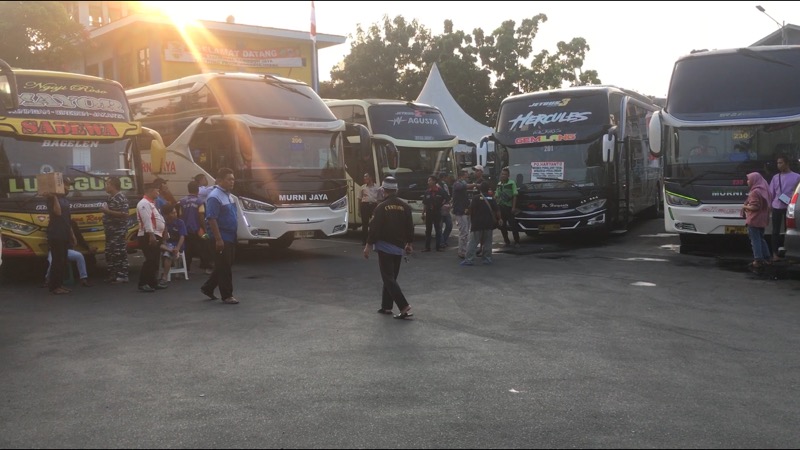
759 186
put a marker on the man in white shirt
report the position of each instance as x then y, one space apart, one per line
151 233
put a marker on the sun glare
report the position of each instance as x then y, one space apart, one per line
177 12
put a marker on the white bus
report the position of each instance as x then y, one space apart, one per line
280 139
728 113
410 141
580 158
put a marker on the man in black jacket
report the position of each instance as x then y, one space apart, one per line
391 231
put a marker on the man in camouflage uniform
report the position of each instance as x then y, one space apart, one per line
115 222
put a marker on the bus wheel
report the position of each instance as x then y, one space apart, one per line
688 243
282 242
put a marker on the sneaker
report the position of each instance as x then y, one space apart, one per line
466 263
146 288
162 284
120 280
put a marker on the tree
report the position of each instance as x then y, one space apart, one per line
39 35
393 60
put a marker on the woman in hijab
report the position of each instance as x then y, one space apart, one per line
756 213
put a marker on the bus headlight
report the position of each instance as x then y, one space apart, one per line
339 204
680 200
17 226
591 206
255 206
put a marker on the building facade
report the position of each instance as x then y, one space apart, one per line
138 46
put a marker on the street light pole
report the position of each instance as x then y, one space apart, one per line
782 25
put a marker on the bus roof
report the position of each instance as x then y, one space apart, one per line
196 81
55 74
374 101
578 89
728 51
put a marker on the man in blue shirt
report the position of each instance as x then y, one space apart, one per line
221 215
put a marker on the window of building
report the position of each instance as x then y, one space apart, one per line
108 69
95 16
93 70
143 65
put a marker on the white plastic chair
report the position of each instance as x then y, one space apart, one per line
179 266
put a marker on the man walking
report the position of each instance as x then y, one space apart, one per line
221 215
391 232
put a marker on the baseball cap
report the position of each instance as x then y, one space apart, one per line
389 183
479 167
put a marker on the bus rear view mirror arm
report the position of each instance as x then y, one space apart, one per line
609 142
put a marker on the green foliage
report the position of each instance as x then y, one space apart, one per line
38 35
393 60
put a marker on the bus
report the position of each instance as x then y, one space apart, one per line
282 142
410 141
728 113
580 158
77 125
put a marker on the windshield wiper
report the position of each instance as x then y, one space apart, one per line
548 180
272 80
758 55
704 174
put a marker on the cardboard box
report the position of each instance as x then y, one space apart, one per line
50 183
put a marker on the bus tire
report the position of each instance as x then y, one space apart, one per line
282 243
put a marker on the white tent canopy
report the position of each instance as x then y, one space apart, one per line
435 93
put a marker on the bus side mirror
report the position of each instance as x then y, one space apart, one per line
654 133
364 138
609 142
158 153
9 98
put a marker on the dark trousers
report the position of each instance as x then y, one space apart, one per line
778 222
58 267
366 210
433 220
197 247
149 274
509 223
222 276
390 269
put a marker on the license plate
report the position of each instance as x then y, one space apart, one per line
303 234
731 229
549 227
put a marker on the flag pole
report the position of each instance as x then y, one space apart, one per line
314 68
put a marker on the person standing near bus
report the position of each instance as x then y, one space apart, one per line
221 215
367 203
115 224
392 234
460 204
781 188
432 201
151 232
506 196
59 238
756 212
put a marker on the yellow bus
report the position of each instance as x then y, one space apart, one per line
410 141
77 125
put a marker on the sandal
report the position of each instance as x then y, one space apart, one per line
404 314
384 311
60 291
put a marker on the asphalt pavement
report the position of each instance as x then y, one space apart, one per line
563 343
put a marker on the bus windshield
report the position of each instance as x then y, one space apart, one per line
269 98
765 80
86 162
722 152
412 123
293 149
542 167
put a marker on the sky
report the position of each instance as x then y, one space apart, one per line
633 45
